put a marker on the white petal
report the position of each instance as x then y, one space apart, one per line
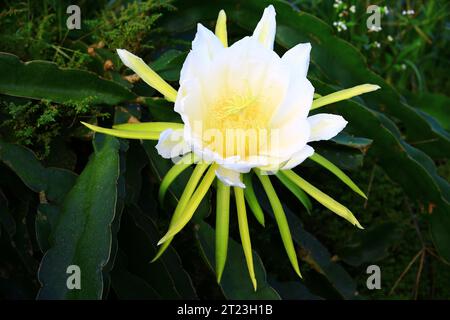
266 28
229 177
325 126
298 158
205 47
288 139
297 58
297 102
171 144
206 40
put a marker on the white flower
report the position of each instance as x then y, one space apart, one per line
246 91
352 9
389 38
243 106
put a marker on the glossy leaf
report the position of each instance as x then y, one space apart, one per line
44 80
53 183
85 218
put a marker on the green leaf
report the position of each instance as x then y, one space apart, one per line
436 105
46 219
85 219
53 183
6 219
167 275
348 140
343 157
292 290
162 110
337 172
418 175
44 80
169 64
129 286
370 246
235 283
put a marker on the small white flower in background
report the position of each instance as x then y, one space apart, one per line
376 44
408 12
389 38
352 9
386 10
340 25
374 28
337 3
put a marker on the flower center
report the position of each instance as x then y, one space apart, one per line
237 125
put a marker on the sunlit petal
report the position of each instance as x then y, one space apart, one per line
266 28
325 126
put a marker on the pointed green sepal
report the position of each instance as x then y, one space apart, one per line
337 172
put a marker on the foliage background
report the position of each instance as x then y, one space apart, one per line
67 197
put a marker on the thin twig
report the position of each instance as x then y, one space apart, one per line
405 271
434 254
415 223
419 272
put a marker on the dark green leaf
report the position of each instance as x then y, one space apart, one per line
82 235
236 283
44 80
